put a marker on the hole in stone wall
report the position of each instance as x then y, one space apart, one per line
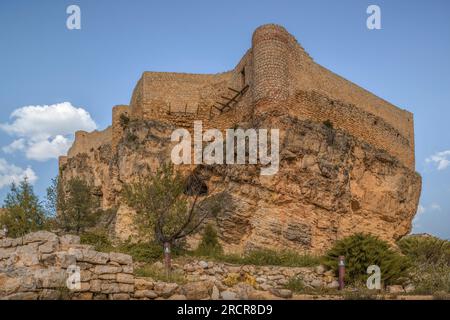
243 78
355 205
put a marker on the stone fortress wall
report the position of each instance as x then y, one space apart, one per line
280 74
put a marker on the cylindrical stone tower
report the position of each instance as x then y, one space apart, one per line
270 63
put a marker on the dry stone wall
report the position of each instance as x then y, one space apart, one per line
38 265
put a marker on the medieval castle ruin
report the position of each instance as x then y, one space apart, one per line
347 156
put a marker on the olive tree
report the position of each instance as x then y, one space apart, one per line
169 206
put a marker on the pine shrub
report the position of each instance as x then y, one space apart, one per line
209 245
360 252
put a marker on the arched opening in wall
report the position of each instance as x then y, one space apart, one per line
243 78
195 186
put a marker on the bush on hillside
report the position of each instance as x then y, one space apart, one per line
430 250
209 245
360 252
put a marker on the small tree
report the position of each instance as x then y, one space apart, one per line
76 206
209 245
51 199
53 202
24 213
167 206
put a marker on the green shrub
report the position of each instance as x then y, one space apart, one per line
148 251
431 278
361 251
150 271
275 258
209 246
124 120
295 284
431 263
429 250
98 238
142 251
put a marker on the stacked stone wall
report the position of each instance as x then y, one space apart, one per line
38 265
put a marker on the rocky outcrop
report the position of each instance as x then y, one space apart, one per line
347 156
329 185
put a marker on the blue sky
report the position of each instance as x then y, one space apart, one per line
42 63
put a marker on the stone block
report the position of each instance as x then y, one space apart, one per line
144 284
107 276
94 257
120 258
123 287
40 236
125 278
150 294
120 296
101 269
108 288
69 240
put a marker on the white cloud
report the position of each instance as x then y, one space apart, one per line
16 145
435 207
45 132
421 209
48 149
432 207
10 173
442 159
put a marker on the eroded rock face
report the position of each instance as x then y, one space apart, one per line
329 185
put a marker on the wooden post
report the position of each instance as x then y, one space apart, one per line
185 108
169 108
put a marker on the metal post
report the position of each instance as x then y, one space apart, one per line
341 267
167 257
